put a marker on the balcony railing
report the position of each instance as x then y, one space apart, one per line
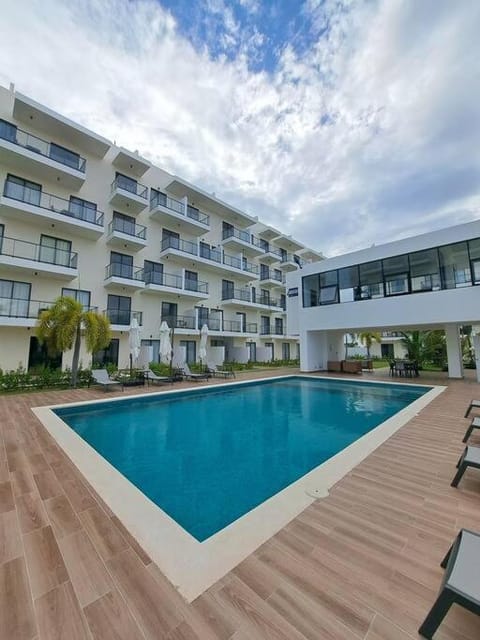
275 252
292 257
270 274
132 186
163 279
127 227
123 317
39 253
21 308
272 331
185 246
161 199
50 150
245 295
196 285
80 211
118 270
269 301
179 322
241 234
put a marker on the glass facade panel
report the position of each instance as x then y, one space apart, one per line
348 283
311 290
474 249
65 156
79 295
371 280
455 266
424 270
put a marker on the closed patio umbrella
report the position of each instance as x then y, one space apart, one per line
202 351
165 345
134 340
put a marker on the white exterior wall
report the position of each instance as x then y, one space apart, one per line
94 254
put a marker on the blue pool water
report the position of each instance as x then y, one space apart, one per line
208 456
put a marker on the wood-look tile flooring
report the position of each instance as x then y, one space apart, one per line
362 563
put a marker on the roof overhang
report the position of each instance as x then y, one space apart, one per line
288 243
44 119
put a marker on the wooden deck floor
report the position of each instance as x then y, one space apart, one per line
360 564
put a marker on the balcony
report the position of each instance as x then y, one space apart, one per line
270 279
16 312
291 262
272 332
126 276
33 259
126 235
120 320
173 286
46 160
239 240
181 324
128 195
195 256
168 210
271 255
244 298
27 204
190 325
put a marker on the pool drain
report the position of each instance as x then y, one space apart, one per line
319 492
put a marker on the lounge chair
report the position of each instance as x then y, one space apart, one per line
151 376
194 376
474 404
102 378
469 458
220 373
475 424
460 584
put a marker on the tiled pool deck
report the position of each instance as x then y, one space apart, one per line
360 564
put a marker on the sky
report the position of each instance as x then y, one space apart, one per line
344 123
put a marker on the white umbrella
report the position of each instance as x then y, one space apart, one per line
165 346
134 339
202 351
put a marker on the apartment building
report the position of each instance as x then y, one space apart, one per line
80 216
429 281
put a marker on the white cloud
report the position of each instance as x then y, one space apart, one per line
371 134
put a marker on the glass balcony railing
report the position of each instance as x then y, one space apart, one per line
163 279
38 252
123 317
291 257
196 285
244 295
80 210
270 274
271 331
185 246
179 322
118 270
11 133
127 227
21 308
130 185
161 199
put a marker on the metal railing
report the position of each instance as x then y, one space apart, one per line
50 150
275 252
158 198
38 252
127 227
196 285
292 257
215 255
163 279
272 331
245 295
132 186
185 246
78 210
120 316
233 232
271 274
118 270
179 322
21 308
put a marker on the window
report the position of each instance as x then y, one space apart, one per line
424 270
285 351
79 295
396 275
153 272
155 344
190 350
202 317
455 265
2 231
119 309
264 272
328 287
65 156
263 244
39 357
169 313
8 131
191 280
107 356
371 280
283 301
242 319
348 284
121 265
227 289
227 230
279 326
170 239
123 223
126 183
252 351
264 325
14 298
277 274
55 250
474 249
23 190
264 296
311 290
82 209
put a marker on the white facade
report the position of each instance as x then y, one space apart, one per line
424 282
126 237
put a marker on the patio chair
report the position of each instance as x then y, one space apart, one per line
460 585
151 376
474 404
475 424
469 458
194 376
102 378
220 373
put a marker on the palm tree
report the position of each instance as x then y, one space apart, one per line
368 338
414 343
61 326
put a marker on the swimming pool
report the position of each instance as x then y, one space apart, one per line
208 456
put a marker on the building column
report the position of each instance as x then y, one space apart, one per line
454 351
476 347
